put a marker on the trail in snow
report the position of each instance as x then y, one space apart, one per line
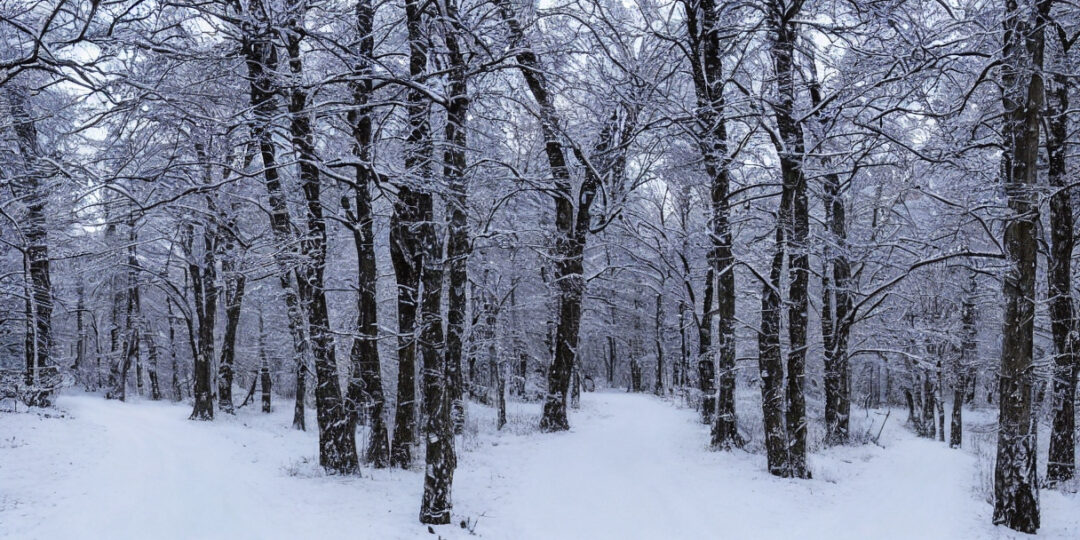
632 467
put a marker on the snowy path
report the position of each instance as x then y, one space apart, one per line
632 467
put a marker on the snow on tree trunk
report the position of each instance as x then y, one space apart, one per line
337 438
1016 490
29 185
1061 463
261 60
365 389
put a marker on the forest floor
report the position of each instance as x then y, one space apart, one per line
633 467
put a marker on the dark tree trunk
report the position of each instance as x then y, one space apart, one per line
337 437
265 381
365 383
658 387
202 269
457 247
1016 492
770 360
928 406
611 359
407 271
711 129
706 368
406 239
178 390
30 186
569 243
836 310
261 59
152 351
794 220
235 282
440 458
1061 464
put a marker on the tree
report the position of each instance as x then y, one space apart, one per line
1016 490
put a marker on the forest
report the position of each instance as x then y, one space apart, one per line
539 268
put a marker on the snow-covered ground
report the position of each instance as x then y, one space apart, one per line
632 467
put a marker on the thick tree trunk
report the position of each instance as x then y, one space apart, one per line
795 220
261 59
457 246
569 243
337 437
407 271
1016 492
439 455
365 384
705 367
836 311
1061 464
711 128
770 360
30 186
407 238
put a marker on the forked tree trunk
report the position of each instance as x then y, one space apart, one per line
1016 491
794 221
569 246
261 59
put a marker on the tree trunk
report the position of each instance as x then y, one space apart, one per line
711 128
152 350
569 243
1016 492
365 384
407 239
265 381
261 59
457 247
658 387
770 360
706 369
235 282
836 311
202 269
337 437
30 186
1061 464
794 219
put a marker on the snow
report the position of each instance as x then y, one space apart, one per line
633 466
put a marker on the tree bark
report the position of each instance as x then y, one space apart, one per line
30 186
365 384
454 163
711 126
261 60
203 272
1016 492
837 309
794 219
569 242
1061 464
337 436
